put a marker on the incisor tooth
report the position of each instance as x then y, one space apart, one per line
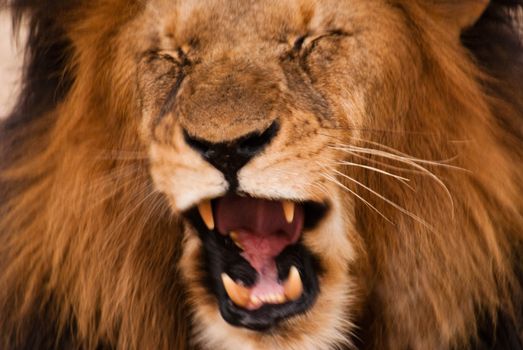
255 301
238 294
281 299
234 237
293 286
205 210
288 210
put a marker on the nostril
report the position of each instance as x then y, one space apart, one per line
201 146
252 144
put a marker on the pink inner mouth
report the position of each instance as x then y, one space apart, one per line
263 233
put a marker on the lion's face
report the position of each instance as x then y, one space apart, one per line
261 174
245 109
295 174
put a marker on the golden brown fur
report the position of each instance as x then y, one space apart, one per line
91 241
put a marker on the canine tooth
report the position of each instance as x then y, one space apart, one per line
205 210
238 294
281 298
234 237
293 286
288 210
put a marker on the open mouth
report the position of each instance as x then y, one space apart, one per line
255 262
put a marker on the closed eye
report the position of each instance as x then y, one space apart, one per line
310 42
177 56
304 44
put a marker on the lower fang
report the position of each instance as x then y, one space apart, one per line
238 294
293 286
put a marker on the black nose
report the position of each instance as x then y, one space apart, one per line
230 157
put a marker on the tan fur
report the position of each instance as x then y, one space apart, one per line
98 231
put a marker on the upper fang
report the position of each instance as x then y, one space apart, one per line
205 210
288 210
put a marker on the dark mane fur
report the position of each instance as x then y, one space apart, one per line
497 44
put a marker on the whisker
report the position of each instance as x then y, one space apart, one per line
322 188
335 181
117 173
396 151
111 193
395 205
110 184
146 193
158 208
402 179
375 131
441 163
404 156
386 165
403 160
114 180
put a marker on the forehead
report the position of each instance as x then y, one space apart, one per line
236 20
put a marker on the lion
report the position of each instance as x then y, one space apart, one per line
264 175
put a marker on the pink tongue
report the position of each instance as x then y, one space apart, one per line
261 227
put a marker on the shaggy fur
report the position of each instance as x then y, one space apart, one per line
94 253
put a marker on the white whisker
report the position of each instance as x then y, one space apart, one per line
402 179
397 152
386 165
405 160
401 156
395 205
335 181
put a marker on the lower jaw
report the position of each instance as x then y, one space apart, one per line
327 314
265 316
